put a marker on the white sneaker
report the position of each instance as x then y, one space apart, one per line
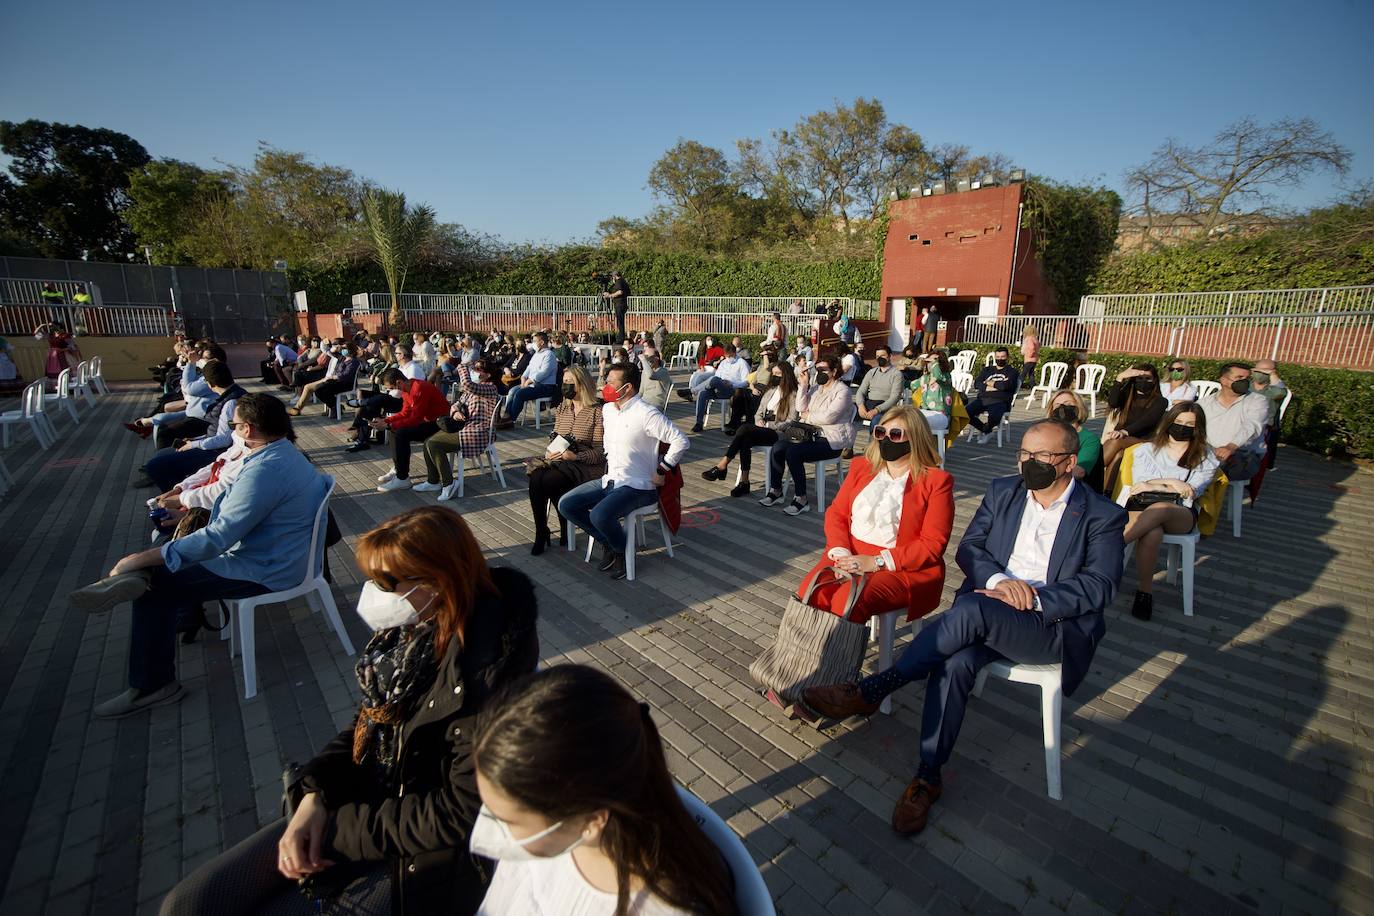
389 475
771 499
448 492
427 487
797 508
395 483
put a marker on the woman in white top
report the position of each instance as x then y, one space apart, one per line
579 810
1178 383
1177 462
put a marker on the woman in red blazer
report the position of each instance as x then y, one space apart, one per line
891 520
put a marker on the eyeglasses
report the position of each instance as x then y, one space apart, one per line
1043 457
385 581
894 433
1175 368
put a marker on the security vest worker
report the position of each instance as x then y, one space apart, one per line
53 297
83 298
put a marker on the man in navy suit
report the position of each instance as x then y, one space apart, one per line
1042 559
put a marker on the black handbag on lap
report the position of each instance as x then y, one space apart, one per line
798 432
1139 502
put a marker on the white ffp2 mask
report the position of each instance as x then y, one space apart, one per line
491 839
382 610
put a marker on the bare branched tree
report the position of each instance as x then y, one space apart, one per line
1242 167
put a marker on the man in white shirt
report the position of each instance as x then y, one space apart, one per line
633 430
538 380
410 368
1236 418
731 374
1042 559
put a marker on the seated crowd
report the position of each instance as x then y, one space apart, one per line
468 780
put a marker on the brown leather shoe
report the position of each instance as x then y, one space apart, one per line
838 701
909 817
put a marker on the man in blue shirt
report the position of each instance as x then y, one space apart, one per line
188 455
539 380
257 541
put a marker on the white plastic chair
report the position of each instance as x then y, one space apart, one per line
1205 388
962 380
63 394
686 356
767 467
751 893
987 360
883 629
667 399
457 462
632 527
29 412
313 587
1004 426
1050 680
540 405
97 375
1051 378
1185 557
82 383
1087 382
1283 407
1235 501
964 360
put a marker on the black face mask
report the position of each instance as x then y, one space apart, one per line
1000 363
893 451
882 362
822 378
1144 385
1241 386
1037 475
569 392
774 381
1065 412
1180 433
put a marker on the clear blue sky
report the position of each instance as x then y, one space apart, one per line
534 120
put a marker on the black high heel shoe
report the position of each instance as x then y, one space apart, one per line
541 541
713 473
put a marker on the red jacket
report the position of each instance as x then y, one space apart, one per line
421 403
713 354
922 535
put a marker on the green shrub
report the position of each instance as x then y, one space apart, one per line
1332 411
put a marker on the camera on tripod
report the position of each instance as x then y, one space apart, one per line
601 280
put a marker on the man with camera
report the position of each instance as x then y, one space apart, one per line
617 295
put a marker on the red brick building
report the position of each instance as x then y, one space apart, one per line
955 251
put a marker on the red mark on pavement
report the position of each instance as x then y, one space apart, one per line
699 518
72 463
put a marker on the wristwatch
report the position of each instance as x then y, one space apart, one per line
1036 604
879 562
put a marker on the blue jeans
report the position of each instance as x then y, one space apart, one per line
169 467
796 456
950 650
717 389
169 417
598 511
152 641
515 401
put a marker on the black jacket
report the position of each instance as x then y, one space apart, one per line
423 829
1145 414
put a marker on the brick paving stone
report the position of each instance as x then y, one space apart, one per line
1228 749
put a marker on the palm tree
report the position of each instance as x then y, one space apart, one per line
398 234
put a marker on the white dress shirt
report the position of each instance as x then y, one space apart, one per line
631 434
1241 424
542 368
1030 556
198 492
413 370
1177 391
876 514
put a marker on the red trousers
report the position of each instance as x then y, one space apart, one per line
884 590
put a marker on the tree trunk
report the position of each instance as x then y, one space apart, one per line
394 318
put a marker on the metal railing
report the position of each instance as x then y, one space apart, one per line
1239 302
25 291
1343 340
657 306
90 321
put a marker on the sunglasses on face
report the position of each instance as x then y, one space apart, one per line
1175 368
385 581
895 433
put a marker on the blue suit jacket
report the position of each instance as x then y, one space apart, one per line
1085 563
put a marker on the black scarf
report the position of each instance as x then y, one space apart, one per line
395 671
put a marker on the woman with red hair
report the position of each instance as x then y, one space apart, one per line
382 815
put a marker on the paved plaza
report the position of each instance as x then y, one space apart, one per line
1213 764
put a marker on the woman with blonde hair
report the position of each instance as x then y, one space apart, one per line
890 522
1178 383
574 455
1067 406
1030 354
383 815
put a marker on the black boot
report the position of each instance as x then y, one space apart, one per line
617 567
541 541
1144 605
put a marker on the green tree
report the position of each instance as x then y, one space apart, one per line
398 233
1073 229
696 180
167 200
67 188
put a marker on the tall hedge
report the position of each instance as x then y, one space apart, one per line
567 271
1332 411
